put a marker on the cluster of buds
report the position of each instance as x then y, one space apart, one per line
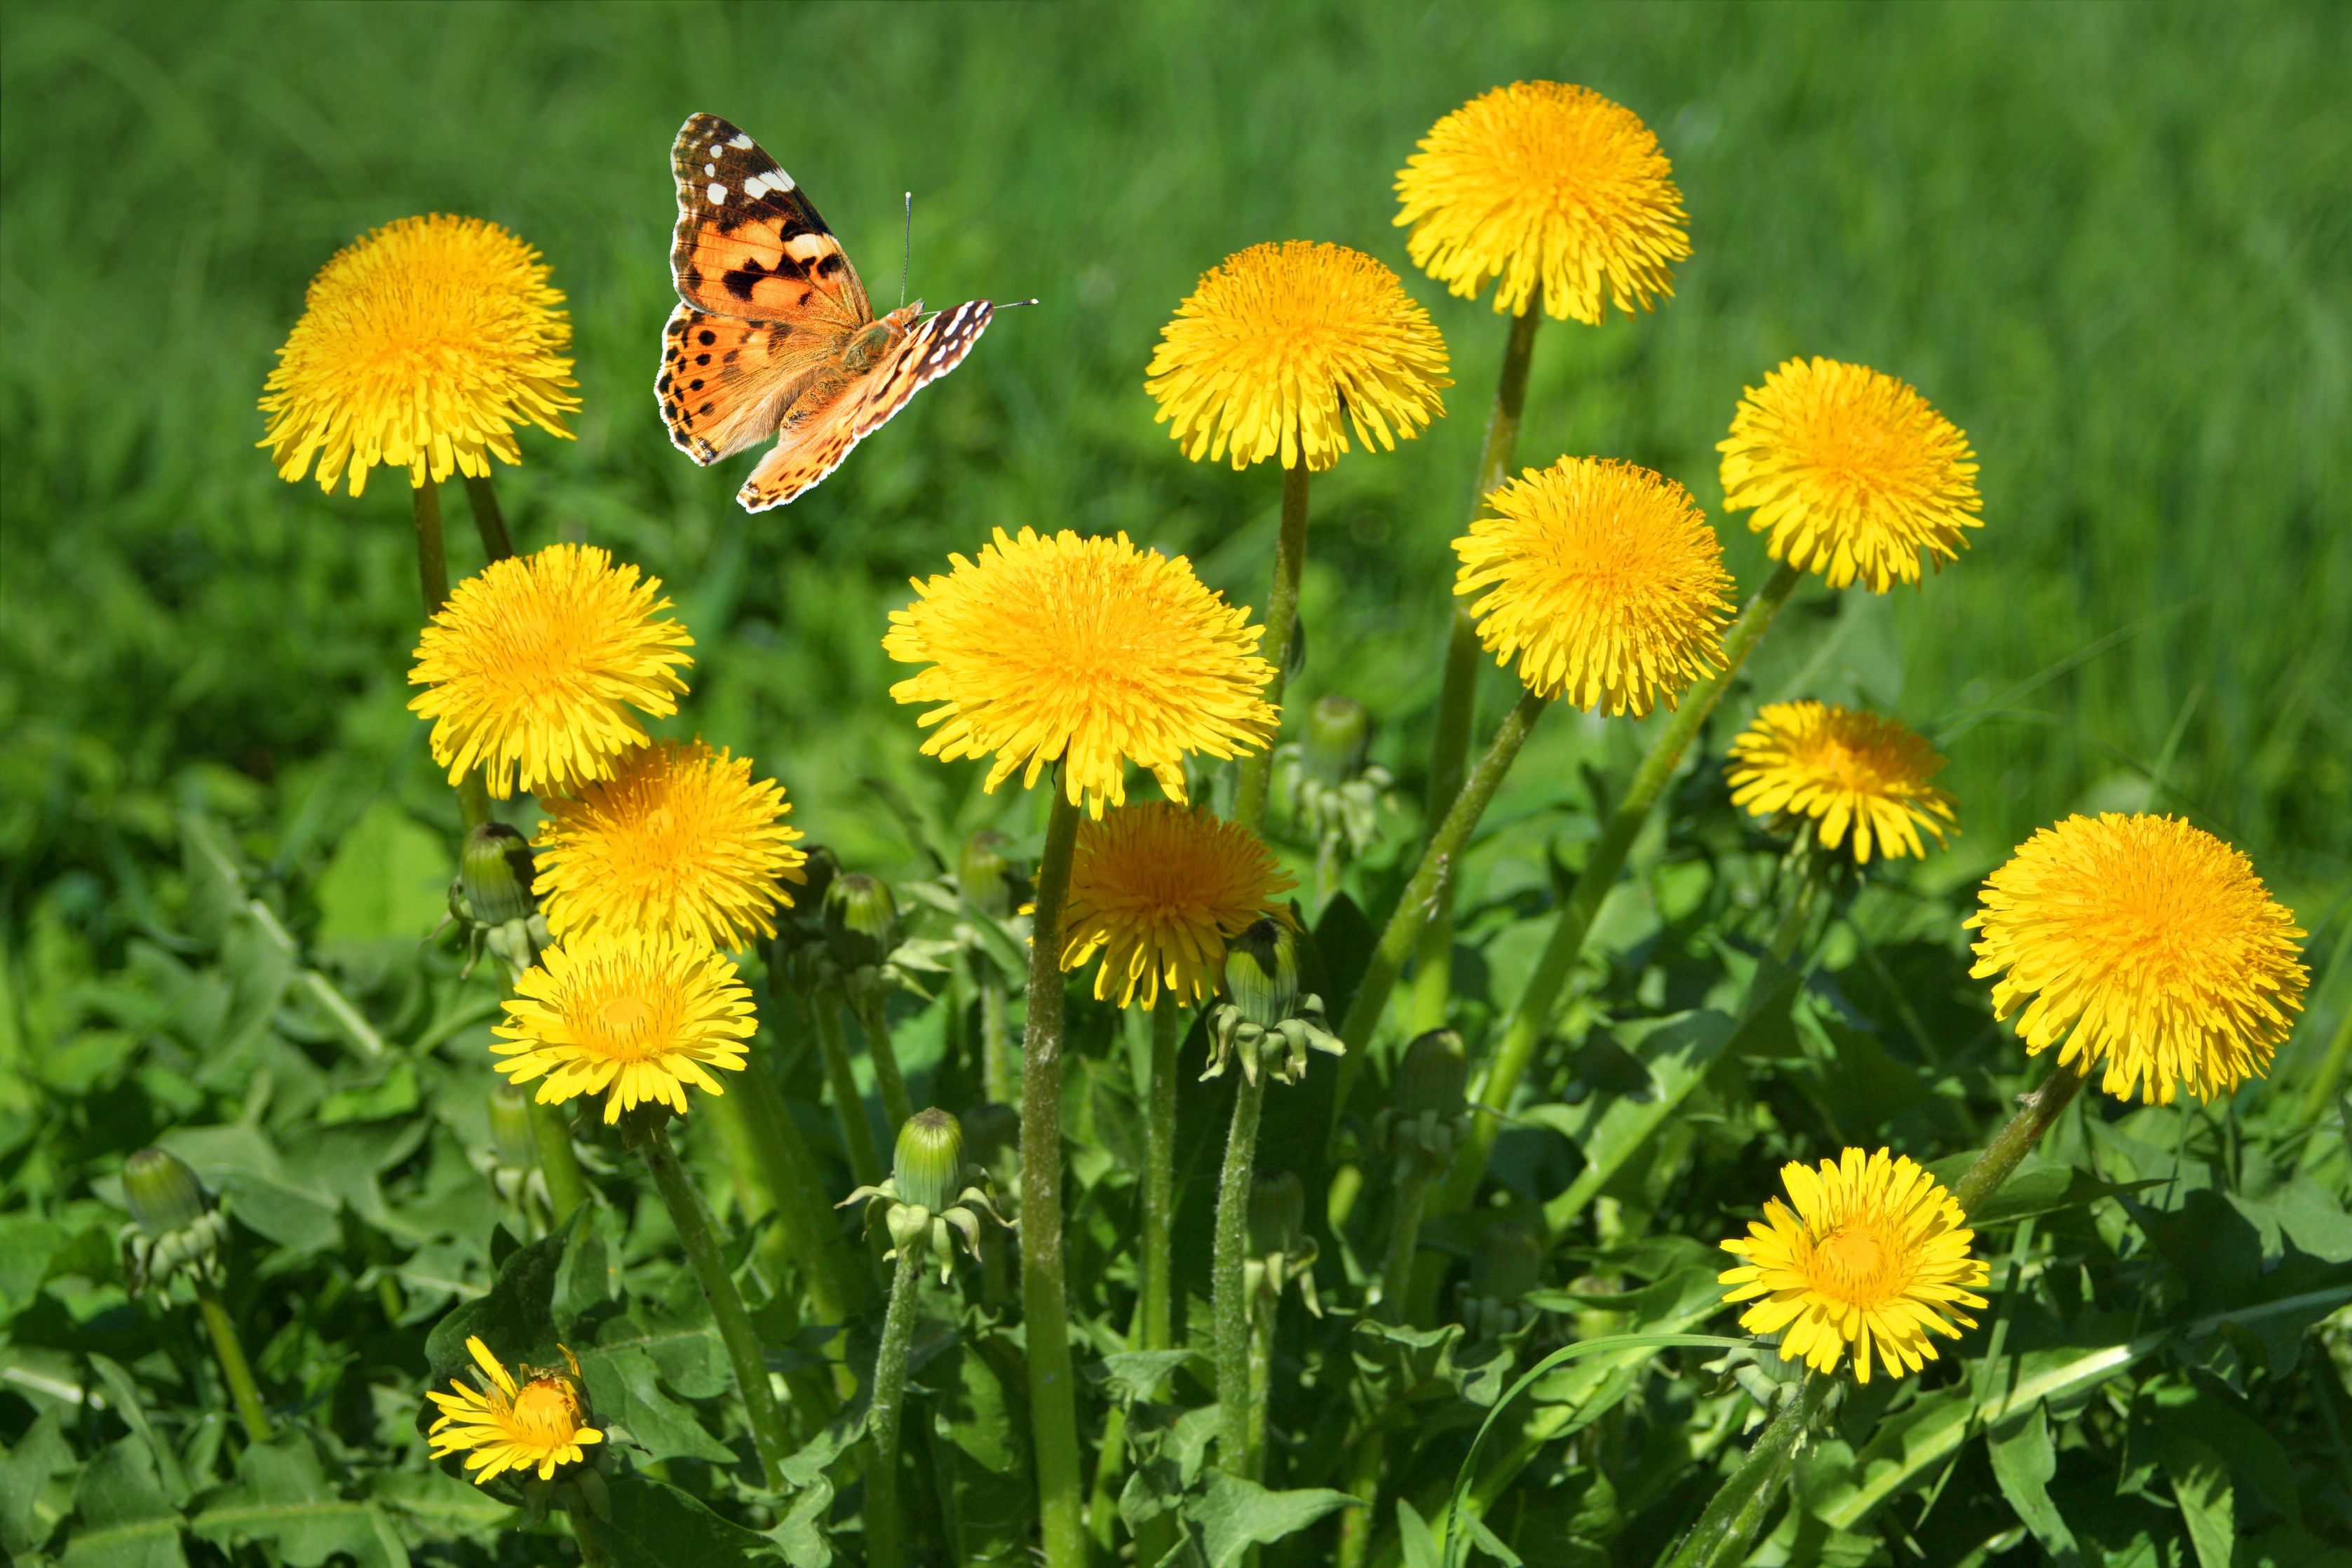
1266 1023
1280 1250
1333 792
931 1189
492 899
843 936
1507 1263
176 1229
1431 1118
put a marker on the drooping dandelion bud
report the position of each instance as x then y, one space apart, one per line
1339 736
1277 1212
495 870
928 1164
861 921
1434 1078
985 875
1262 973
174 1230
163 1192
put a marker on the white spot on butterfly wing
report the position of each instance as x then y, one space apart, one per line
774 180
740 140
711 168
717 193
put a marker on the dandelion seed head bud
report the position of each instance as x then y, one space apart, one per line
1262 973
928 1168
1434 1077
985 875
163 1194
861 921
1339 737
495 870
1278 1213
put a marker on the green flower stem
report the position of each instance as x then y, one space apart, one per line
1458 699
1420 900
857 1133
750 1363
236 1371
489 522
1723 1532
1157 1313
1534 1014
885 1543
1237 1433
1281 624
559 1163
583 1534
1111 1463
866 1001
1404 1243
1052 1391
433 585
838 1286
995 1062
1261 1385
2036 1112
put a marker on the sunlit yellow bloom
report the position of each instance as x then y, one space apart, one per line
422 347
540 1424
679 842
639 1015
1545 186
1852 472
1086 650
1819 760
534 665
1875 1252
1282 347
1158 889
1603 579
2153 943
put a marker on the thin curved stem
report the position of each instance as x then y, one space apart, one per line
885 1541
489 522
1281 627
558 1162
1229 1295
1739 1504
2036 1113
841 1079
867 1002
236 1371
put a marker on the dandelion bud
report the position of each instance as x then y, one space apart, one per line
496 871
1278 1213
985 876
1434 1078
928 1169
861 921
821 867
1339 736
163 1193
511 1138
1507 1263
1262 973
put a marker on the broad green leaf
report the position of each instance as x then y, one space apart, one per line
26 1244
2201 1484
981 1448
440 1503
625 1385
128 1405
1130 1375
282 1495
124 1519
389 878
1610 1130
1234 1515
2022 1464
25 1474
655 1525
800 1534
1419 1541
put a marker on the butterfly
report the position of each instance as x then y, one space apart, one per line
773 334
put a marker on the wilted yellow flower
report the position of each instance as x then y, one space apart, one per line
422 347
534 664
1603 579
1852 472
1158 889
1819 760
541 1424
2153 943
1545 186
1086 650
1283 346
1875 1252
639 1015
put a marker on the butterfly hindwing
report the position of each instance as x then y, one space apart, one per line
749 243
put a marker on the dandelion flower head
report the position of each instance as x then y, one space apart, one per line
1159 890
1846 769
635 1018
538 1423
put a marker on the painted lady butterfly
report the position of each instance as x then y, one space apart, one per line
773 334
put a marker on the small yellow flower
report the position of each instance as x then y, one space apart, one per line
534 664
1158 889
1089 651
421 347
639 1015
1603 579
1545 186
1283 346
1875 1252
539 1424
1854 473
1816 759
678 842
2153 943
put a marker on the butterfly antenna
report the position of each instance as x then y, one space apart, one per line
907 250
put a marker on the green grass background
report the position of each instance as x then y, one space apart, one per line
2110 241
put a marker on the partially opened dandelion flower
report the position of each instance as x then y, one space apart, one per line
2153 943
678 841
424 346
1545 186
1846 769
1282 347
1854 474
635 1018
1875 1255
534 665
1158 889
1603 579
1089 651
538 1423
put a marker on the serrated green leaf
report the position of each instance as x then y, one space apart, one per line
2024 1461
2201 1484
25 1474
1234 1515
655 1525
800 1534
982 1453
1130 1375
133 1411
123 1520
625 1385
282 1495
26 1244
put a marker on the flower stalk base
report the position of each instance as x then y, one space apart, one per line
1281 632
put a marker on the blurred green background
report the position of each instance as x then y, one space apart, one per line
2111 242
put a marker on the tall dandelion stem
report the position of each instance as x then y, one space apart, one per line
488 520
1052 1393
1238 1417
841 1080
885 1525
2037 1113
559 1163
1281 629
1739 1505
433 585
866 1001
1157 1323
236 1371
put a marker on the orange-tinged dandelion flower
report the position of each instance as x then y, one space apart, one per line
1603 579
534 665
1282 347
538 1424
424 346
1847 769
1159 890
1854 474
639 1017
1874 1254
1545 186
1086 650
678 841
2153 943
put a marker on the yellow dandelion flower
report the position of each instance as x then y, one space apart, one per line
1086 650
1158 889
1854 473
639 1015
1875 1252
1819 760
1605 581
534 664
1282 347
540 1424
678 841
1544 185
2153 943
424 346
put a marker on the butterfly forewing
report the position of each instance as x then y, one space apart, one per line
749 243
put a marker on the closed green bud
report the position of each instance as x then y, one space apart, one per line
1507 1263
821 867
511 1138
986 876
495 871
1278 1213
1262 973
1339 737
861 921
163 1193
1434 1077
928 1169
